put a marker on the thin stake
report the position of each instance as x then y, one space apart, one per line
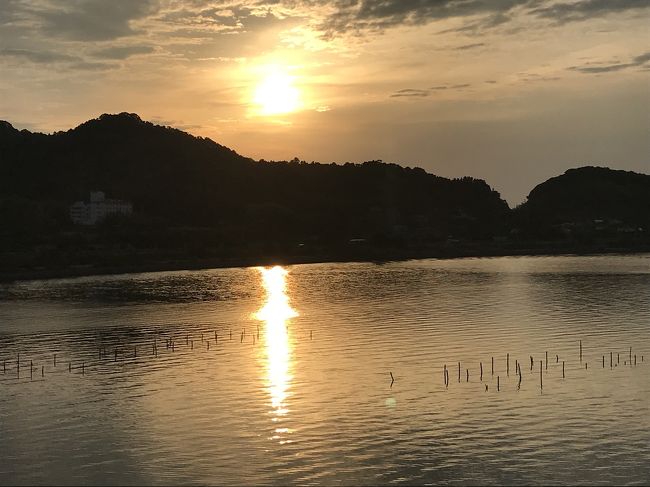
497 383
31 369
481 364
492 365
611 360
231 334
42 370
508 364
635 359
618 358
563 369
467 376
458 371
603 361
69 366
541 382
547 360
531 362
580 350
392 379
557 358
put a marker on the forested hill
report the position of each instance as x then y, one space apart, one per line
588 198
181 180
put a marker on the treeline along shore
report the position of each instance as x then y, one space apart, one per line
193 203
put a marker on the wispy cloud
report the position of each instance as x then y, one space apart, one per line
602 67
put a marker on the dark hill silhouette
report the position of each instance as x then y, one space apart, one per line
195 199
186 180
588 197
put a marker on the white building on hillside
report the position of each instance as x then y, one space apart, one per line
82 213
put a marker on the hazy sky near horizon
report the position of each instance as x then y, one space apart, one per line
509 91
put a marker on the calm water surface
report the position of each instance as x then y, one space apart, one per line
283 376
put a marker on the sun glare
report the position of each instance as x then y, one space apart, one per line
276 94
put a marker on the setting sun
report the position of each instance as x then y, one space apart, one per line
276 94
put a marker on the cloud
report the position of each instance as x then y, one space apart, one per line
564 12
44 57
410 92
469 46
91 20
597 68
122 52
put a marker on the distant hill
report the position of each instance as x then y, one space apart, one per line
588 197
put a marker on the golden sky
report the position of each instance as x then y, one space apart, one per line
510 91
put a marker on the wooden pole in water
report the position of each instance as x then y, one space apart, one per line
69 366
630 355
481 364
531 362
580 350
192 344
4 366
497 383
458 371
492 365
208 344
507 364
467 376
585 365
611 360
241 339
541 382
42 370
31 369
18 366
231 334
55 359
546 362
563 369
635 359
618 358
557 358
603 361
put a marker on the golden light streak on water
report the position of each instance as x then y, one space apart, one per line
276 314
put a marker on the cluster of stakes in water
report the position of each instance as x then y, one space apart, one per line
543 366
171 342
120 353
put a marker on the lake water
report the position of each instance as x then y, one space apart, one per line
297 386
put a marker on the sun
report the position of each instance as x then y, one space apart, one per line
276 94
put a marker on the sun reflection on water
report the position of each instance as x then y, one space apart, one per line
276 314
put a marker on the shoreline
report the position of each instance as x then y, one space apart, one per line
73 271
